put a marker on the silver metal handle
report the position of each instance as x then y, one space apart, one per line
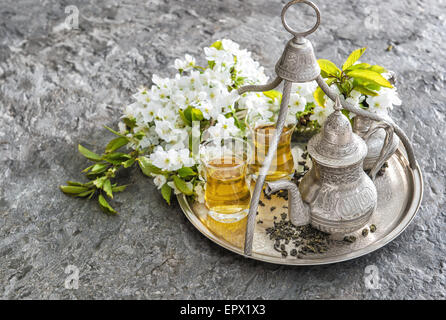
386 151
294 32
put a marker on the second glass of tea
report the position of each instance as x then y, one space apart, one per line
262 135
227 194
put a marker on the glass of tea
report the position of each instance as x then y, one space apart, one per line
262 135
227 194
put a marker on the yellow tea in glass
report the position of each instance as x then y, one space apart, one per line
227 194
226 189
282 165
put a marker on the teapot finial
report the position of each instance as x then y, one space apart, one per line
337 105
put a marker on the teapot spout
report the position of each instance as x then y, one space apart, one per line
298 211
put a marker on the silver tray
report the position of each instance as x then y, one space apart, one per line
400 191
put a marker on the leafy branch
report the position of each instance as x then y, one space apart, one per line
106 165
102 172
362 77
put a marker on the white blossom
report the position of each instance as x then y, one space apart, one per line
185 65
199 190
159 180
385 100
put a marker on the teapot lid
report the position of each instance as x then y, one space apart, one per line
336 145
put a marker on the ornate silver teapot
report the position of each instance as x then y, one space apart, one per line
337 195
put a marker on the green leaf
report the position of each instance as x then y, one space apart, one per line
139 135
87 169
89 154
370 76
128 163
239 81
347 114
166 192
373 86
366 84
86 193
196 115
240 124
345 88
217 45
182 186
105 206
185 120
119 188
99 182
319 96
378 69
188 113
73 190
191 114
329 67
115 132
330 81
211 64
354 56
147 167
364 90
358 66
117 158
91 195
186 172
273 95
99 168
75 184
108 188
115 144
131 123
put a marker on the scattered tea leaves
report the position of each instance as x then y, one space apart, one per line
305 239
350 239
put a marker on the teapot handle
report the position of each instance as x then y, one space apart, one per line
386 151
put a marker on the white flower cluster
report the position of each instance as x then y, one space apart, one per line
161 113
263 108
380 104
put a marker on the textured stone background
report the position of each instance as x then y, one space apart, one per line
59 87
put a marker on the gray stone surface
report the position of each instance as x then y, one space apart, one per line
59 87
